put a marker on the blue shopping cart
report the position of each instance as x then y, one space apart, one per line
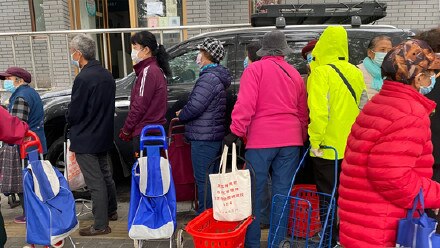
305 218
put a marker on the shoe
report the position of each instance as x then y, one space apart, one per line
12 201
113 216
91 231
20 219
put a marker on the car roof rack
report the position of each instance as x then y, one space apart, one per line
309 14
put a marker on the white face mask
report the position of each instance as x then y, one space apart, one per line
199 60
134 56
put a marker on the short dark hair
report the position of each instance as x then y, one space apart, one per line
375 40
432 37
252 49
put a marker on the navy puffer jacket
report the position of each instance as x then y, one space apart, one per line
204 114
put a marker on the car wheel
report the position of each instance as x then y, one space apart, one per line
55 154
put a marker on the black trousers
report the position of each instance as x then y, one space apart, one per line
3 236
99 180
324 171
435 177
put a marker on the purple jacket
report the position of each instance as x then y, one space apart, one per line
148 103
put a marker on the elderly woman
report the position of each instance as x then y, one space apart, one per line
388 159
26 104
370 67
271 112
204 114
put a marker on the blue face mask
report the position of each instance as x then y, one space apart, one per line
379 57
426 89
245 63
309 58
74 62
9 85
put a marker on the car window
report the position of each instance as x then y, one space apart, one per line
184 68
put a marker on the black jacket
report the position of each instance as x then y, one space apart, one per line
204 114
91 110
435 121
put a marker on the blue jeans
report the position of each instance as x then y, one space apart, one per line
282 162
202 154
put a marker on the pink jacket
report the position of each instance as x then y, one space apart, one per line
271 110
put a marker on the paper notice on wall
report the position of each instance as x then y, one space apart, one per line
155 9
163 21
174 21
153 22
171 7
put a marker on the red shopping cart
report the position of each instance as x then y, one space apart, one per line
210 233
179 152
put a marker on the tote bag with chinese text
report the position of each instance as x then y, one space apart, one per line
231 192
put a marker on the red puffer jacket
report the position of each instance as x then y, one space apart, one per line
388 159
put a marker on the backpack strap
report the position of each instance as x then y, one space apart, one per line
345 81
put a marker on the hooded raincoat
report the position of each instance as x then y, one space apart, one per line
332 107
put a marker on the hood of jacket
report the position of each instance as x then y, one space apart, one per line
221 72
331 47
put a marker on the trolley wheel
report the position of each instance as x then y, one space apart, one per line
59 244
284 244
179 238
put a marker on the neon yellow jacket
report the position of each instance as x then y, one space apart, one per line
333 109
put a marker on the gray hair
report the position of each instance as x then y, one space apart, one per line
85 44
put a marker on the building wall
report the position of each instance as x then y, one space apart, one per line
15 17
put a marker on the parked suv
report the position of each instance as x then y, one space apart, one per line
185 73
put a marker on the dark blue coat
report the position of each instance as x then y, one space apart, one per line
92 110
204 114
36 112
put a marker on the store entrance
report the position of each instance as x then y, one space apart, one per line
119 17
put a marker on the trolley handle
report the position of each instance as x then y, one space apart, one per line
33 142
175 124
148 138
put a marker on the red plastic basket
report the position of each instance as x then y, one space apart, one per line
208 232
301 211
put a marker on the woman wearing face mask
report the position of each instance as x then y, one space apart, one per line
148 102
204 114
370 67
389 159
25 103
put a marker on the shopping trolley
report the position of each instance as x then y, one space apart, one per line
304 219
152 211
49 204
210 233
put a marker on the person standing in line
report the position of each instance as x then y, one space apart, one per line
90 118
204 114
432 37
148 101
336 93
26 104
266 199
271 112
12 131
378 47
389 159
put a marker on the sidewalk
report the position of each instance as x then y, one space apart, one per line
117 239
